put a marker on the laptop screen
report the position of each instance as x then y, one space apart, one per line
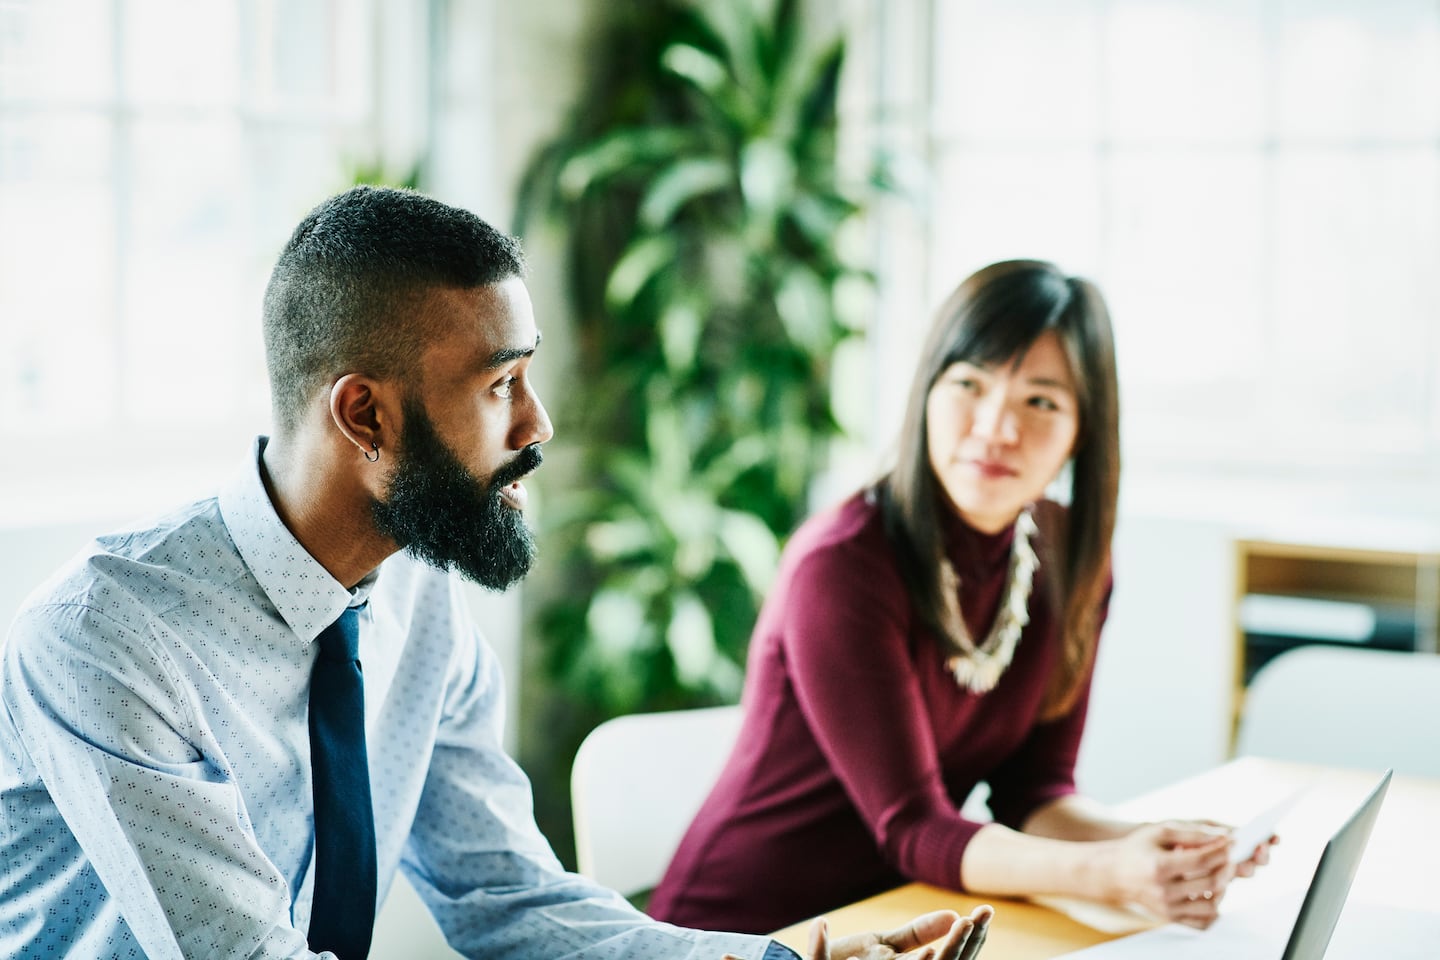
1333 875
1254 934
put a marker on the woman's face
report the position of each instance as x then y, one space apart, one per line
997 435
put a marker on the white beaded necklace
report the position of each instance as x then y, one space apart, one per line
978 669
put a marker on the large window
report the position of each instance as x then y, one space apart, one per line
1254 183
153 157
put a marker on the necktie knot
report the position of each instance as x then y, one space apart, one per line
341 640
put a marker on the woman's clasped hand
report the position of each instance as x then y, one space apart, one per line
1176 870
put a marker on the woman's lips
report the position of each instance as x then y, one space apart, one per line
993 470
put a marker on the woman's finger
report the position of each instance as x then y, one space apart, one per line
1188 891
1187 863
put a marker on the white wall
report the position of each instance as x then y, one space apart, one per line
28 554
1159 708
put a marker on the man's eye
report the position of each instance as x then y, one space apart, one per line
505 387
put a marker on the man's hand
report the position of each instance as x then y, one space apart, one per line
962 939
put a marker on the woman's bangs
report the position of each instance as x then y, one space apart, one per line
1003 321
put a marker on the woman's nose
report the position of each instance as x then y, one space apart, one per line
995 421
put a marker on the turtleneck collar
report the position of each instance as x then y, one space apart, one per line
977 556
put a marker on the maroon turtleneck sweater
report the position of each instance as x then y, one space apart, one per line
857 747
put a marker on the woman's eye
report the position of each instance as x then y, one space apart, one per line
1044 403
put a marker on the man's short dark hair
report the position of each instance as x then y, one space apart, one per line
345 295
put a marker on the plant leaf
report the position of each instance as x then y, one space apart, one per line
642 260
767 176
680 328
690 636
817 102
747 451
622 152
616 539
804 308
753 547
784 33
616 621
680 183
700 67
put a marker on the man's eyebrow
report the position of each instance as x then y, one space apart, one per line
510 354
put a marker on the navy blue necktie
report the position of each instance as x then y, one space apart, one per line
342 914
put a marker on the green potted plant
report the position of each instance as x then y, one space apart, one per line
698 190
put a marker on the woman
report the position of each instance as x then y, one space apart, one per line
936 631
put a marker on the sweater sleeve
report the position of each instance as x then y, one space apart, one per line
846 641
1043 769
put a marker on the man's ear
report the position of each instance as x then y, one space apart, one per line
364 411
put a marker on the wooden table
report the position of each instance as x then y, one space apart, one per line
1399 868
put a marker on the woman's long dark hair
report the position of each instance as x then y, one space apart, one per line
993 317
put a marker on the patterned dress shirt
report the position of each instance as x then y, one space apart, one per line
155 758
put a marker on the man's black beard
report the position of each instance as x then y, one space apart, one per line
438 511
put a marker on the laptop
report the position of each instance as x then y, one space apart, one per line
1252 935
1331 885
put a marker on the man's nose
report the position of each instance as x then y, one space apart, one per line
534 425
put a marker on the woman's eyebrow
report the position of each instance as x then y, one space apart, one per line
1050 382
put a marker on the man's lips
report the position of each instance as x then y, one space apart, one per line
515 495
512 491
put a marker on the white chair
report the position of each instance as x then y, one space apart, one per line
637 783
405 928
1346 707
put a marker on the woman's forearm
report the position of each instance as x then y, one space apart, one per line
1076 818
1071 847
1061 850
999 861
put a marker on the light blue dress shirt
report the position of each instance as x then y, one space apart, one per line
155 758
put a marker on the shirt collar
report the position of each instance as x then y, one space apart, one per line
303 591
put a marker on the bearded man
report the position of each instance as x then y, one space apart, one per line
224 731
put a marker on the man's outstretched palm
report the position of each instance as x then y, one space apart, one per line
942 935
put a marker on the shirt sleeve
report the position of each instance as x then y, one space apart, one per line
1043 769
846 643
99 711
478 861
